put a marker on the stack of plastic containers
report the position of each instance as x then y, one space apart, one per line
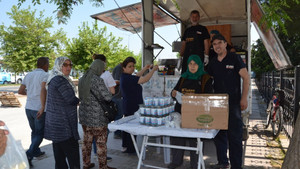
156 110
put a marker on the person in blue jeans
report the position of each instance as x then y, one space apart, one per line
33 86
227 69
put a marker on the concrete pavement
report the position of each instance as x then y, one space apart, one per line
258 150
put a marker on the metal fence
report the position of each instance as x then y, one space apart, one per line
287 84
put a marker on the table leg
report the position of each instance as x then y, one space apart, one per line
200 154
145 140
167 151
135 145
158 141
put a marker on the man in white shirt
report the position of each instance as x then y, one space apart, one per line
33 86
109 81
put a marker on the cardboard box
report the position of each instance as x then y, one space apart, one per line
205 111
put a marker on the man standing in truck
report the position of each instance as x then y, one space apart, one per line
195 41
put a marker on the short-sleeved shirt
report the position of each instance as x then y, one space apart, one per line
33 82
108 79
194 37
132 93
226 76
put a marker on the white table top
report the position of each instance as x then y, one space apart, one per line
131 125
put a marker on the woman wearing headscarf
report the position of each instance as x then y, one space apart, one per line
91 116
61 122
194 80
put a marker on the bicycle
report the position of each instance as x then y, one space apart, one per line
275 115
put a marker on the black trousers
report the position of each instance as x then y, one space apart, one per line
177 154
68 149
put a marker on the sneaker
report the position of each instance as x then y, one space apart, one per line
108 167
220 166
123 149
91 165
40 154
108 158
117 136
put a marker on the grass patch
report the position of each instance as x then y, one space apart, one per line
276 156
2 85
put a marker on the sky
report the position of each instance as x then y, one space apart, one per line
82 13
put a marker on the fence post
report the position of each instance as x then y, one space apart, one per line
273 82
297 92
281 80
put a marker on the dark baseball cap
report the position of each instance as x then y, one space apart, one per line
214 32
219 37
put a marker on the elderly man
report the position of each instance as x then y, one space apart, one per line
195 40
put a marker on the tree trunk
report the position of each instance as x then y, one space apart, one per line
292 157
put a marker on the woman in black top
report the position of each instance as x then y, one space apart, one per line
194 80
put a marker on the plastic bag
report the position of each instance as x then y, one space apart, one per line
174 120
14 156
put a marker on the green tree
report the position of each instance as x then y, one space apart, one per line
291 40
95 40
260 60
277 12
64 7
289 37
27 39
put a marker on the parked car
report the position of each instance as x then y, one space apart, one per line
5 78
17 78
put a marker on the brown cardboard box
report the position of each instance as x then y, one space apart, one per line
205 111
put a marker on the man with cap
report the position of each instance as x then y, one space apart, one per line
227 69
195 40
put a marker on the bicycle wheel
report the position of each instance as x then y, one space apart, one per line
269 111
277 124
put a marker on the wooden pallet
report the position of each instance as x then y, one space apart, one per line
9 99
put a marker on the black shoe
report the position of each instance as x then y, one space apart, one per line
40 154
117 136
220 166
129 152
30 162
172 166
108 158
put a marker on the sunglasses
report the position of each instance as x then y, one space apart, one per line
66 65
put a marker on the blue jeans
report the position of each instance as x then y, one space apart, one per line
233 136
37 132
119 103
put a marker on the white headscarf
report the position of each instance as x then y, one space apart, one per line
57 71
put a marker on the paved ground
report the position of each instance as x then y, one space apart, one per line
261 150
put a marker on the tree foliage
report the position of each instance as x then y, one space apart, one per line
260 60
27 39
95 40
289 37
277 12
64 7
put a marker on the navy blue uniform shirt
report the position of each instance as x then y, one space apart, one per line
132 93
226 76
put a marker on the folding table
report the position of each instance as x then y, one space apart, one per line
131 125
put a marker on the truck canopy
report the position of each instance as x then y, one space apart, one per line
232 18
